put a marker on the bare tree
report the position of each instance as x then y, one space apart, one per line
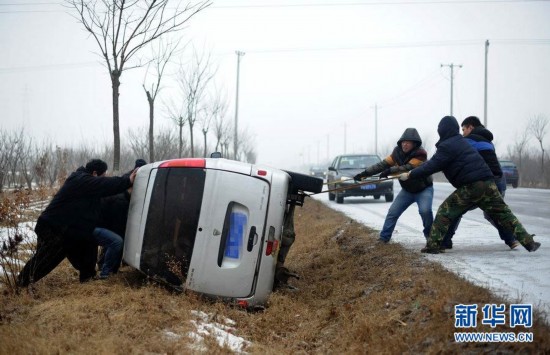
176 112
215 111
222 128
519 147
162 55
138 142
193 83
27 156
246 146
121 29
538 126
10 149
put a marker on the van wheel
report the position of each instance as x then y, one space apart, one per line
376 197
515 184
339 198
331 196
389 197
304 182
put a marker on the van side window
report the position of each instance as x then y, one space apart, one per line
172 222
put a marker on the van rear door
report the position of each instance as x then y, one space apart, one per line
227 249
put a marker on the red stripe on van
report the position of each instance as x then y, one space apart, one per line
184 163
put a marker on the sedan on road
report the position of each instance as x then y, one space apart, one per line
340 175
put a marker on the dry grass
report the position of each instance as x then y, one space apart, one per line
354 296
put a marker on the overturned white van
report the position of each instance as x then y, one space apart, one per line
211 225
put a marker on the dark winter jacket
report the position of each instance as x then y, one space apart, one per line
399 162
114 212
77 204
458 160
480 138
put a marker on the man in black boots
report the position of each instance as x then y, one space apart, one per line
475 185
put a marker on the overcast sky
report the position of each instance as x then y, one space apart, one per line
311 75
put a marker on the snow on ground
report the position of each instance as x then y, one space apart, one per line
206 326
478 254
26 229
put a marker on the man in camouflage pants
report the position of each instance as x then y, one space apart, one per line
467 171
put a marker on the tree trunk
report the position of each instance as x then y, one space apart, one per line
151 101
28 180
115 80
204 133
191 139
180 152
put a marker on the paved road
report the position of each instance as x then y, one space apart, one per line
478 254
531 206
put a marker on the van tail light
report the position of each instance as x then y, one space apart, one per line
242 303
272 243
262 173
184 163
271 246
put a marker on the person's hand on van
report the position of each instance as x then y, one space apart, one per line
133 175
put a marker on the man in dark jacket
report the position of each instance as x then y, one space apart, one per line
407 155
481 139
112 228
65 227
475 185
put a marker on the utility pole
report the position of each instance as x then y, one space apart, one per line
452 77
485 98
236 138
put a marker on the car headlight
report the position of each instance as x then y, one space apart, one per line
345 179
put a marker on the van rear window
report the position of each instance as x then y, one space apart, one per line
172 223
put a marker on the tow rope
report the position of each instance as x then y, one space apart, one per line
365 182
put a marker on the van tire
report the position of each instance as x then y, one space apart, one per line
339 198
305 182
331 196
389 197
376 197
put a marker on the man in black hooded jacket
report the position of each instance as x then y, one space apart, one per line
407 155
481 139
65 227
475 185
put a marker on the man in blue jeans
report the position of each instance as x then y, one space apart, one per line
109 234
407 155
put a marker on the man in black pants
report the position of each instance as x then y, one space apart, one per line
64 228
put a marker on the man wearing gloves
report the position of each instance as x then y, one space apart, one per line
466 170
408 154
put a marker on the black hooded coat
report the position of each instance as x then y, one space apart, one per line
458 160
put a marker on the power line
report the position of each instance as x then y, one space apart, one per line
475 42
31 4
543 41
378 3
372 3
428 81
48 67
